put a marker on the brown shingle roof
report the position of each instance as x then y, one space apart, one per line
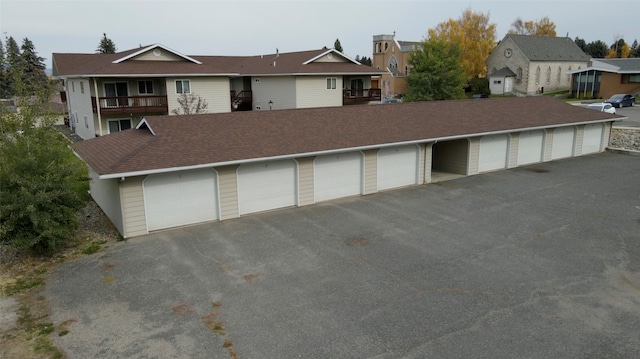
184 141
285 63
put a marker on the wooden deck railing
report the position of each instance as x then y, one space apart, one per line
130 104
361 96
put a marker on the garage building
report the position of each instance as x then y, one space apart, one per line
173 171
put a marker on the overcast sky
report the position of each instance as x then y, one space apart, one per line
222 27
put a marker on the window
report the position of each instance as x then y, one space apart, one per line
119 125
81 87
497 82
183 86
331 83
634 78
73 86
86 122
393 63
145 87
519 74
548 75
538 75
559 75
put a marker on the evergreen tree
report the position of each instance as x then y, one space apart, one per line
4 88
581 44
437 72
34 78
635 49
365 60
13 66
106 46
597 49
337 46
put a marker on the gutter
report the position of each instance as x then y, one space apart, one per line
341 150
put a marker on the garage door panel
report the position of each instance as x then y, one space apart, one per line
562 147
180 198
266 185
493 153
338 175
530 147
592 138
397 167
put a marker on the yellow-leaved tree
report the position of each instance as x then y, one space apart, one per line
474 35
619 49
542 27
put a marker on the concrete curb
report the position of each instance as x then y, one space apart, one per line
623 151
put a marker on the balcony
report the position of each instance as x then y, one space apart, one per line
130 104
359 96
241 101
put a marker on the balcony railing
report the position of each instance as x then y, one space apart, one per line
354 96
241 101
130 104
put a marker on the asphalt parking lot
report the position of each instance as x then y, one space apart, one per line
633 114
534 262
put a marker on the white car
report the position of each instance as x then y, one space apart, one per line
602 107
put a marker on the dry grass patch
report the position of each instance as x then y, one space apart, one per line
22 276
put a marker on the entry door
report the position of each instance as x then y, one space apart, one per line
358 86
508 84
117 94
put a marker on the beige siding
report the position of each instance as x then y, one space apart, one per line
80 102
162 55
421 165
451 156
577 143
105 194
215 90
331 58
513 150
474 155
228 187
280 90
305 181
548 145
370 171
133 212
607 134
311 91
428 162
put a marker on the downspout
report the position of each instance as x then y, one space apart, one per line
95 86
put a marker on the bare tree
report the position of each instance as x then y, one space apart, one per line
190 104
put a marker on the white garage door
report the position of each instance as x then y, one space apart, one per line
592 139
493 153
562 143
397 167
180 198
338 175
530 147
266 185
